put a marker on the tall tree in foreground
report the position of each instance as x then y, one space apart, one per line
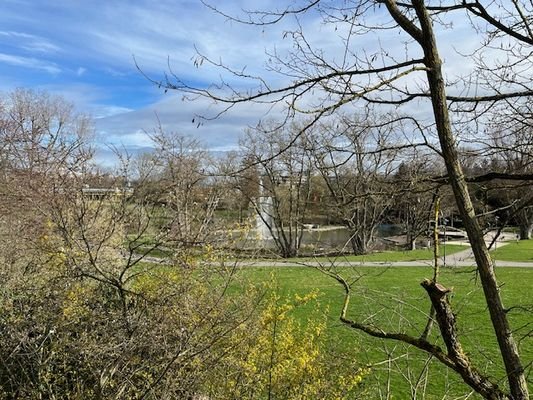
319 84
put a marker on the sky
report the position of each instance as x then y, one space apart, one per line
98 54
87 52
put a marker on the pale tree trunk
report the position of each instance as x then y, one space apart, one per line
509 351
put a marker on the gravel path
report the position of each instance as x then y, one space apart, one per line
464 258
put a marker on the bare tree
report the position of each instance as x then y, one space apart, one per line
416 74
185 187
356 159
44 145
284 183
511 151
415 196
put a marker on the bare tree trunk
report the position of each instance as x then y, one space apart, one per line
525 231
411 241
508 348
359 246
525 224
446 321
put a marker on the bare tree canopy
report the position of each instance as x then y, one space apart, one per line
392 53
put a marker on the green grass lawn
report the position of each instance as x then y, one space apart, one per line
157 252
521 250
393 299
391 256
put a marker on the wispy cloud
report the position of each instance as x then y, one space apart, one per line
30 62
174 115
86 50
103 111
31 43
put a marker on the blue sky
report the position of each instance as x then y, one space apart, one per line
85 50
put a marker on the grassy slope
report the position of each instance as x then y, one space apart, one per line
394 299
521 250
412 255
401 255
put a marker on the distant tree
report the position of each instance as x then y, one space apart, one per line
356 163
371 70
185 187
284 172
511 148
247 184
415 199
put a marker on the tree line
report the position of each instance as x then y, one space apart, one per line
112 290
81 309
358 172
393 55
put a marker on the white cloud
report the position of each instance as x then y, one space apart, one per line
103 111
86 98
155 32
103 36
30 62
176 115
31 43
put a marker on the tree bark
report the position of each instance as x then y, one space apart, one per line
525 224
447 325
359 243
411 242
525 231
506 342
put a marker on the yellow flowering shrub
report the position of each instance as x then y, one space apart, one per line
278 357
75 304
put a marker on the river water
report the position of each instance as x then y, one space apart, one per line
325 238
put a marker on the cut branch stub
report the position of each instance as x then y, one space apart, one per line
447 325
